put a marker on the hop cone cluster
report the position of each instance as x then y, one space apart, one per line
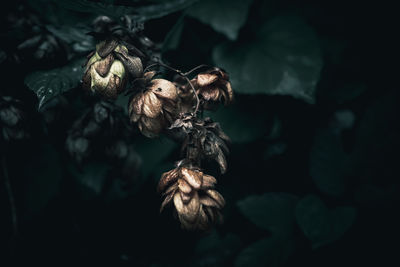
192 193
158 105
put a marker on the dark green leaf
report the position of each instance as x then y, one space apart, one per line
138 13
76 36
92 176
50 83
242 121
319 224
215 249
224 16
153 152
173 37
284 59
271 211
45 172
266 252
329 163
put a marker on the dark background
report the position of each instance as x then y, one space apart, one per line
313 171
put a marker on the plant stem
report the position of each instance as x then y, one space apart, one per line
10 195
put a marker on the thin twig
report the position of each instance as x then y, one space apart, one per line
10 194
196 68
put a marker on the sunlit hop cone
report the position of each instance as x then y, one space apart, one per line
153 108
213 85
192 193
107 69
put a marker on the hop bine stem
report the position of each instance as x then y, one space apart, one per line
10 194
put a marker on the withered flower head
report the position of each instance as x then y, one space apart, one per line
154 107
195 201
108 67
214 85
204 139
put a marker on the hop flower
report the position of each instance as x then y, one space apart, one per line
213 85
107 67
204 139
154 107
196 202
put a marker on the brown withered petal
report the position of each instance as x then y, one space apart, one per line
221 160
132 64
229 91
184 186
167 178
107 47
210 202
203 221
178 203
149 75
208 181
192 177
210 213
216 196
112 89
185 197
103 66
150 127
164 89
171 189
204 79
188 211
186 224
167 200
86 80
134 117
136 104
151 105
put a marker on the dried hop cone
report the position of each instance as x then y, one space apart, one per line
213 85
153 108
108 67
196 202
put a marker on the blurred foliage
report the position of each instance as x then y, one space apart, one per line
313 172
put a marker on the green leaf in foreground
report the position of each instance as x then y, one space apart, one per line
138 12
241 124
224 16
320 225
266 252
271 211
283 59
50 83
329 164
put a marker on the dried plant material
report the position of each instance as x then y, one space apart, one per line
213 86
107 69
195 201
204 139
154 107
